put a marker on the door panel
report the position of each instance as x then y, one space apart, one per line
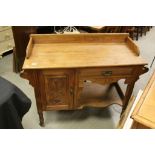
56 89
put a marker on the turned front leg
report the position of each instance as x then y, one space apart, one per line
41 118
39 108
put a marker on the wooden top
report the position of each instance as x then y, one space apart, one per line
144 112
81 50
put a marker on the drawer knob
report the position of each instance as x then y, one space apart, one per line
106 73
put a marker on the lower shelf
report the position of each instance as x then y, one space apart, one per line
96 95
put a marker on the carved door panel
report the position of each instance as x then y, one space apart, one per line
57 89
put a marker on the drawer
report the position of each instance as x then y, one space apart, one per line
106 71
99 80
6 35
2 28
6 46
104 75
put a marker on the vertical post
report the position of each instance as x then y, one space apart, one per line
128 94
41 118
36 81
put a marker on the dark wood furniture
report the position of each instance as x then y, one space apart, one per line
141 30
21 38
59 66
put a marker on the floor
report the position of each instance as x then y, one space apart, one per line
88 118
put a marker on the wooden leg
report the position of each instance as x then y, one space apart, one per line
128 93
141 31
119 90
39 107
131 34
41 118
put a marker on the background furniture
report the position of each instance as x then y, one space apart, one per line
58 66
14 104
144 113
6 39
21 38
134 31
141 111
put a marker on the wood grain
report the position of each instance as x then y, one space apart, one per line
133 46
84 72
79 38
58 66
57 86
81 50
144 112
29 48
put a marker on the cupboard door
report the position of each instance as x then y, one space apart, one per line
57 89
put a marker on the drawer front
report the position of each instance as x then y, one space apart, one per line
104 75
106 71
6 35
2 28
6 46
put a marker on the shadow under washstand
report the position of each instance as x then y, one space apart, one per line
78 115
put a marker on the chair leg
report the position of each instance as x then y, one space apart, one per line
145 30
137 33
